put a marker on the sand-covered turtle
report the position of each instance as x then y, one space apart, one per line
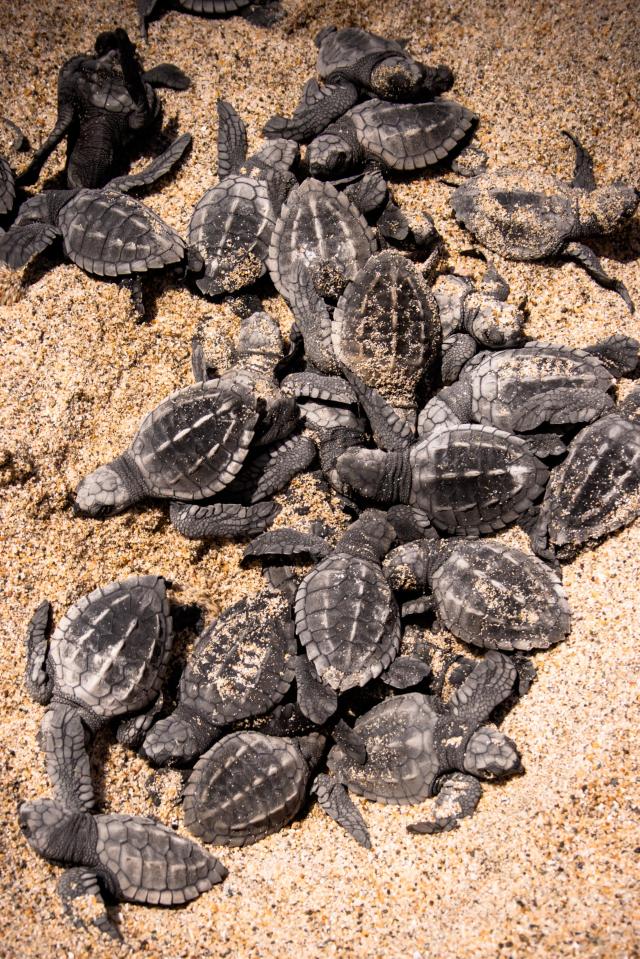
596 489
106 103
104 231
468 479
128 858
403 137
242 666
485 593
528 215
105 660
350 62
231 226
417 746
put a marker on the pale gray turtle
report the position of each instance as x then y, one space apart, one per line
7 187
105 232
404 137
527 215
484 592
231 226
242 666
188 448
596 489
520 390
106 103
130 858
386 330
416 746
106 660
352 61
468 479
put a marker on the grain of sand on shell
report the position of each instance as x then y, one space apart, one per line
546 865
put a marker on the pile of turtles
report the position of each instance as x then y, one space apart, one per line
423 411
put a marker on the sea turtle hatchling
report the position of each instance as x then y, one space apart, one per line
130 858
105 104
416 746
241 667
231 225
469 480
106 660
527 215
262 13
485 593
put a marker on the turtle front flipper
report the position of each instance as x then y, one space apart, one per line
158 167
320 105
145 10
167 75
334 799
24 241
391 431
458 797
561 406
39 684
583 176
222 520
7 187
131 731
64 740
232 140
619 353
488 685
82 900
405 672
587 258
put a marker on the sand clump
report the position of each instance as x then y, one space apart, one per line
546 865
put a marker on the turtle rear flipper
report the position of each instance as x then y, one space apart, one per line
334 799
320 105
81 896
488 685
65 739
561 406
587 258
457 798
232 140
21 243
222 520
167 75
39 684
158 167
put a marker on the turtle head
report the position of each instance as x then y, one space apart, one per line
383 477
491 755
492 322
409 566
605 208
330 155
259 337
396 76
41 823
371 535
105 491
176 739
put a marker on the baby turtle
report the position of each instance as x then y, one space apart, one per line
468 479
416 746
231 226
188 448
484 592
105 232
526 215
105 104
249 785
106 660
481 311
404 137
242 666
262 13
130 858
596 489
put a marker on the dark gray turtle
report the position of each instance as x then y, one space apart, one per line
130 858
484 592
248 786
188 448
385 329
7 187
527 215
416 746
105 232
520 390
105 104
467 479
231 226
261 13
105 660
404 137
596 489
242 666
352 61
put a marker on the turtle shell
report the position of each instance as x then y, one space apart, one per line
509 387
494 596
247 786
518 214
342 49
217 7
110 650
410 136
7 187
596 489
244 663
347 619
110 234
150 863
385 327
318 226
194 442
474 479
231 229
402 762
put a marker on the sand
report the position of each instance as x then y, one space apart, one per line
546 865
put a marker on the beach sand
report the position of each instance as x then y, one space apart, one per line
547 867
